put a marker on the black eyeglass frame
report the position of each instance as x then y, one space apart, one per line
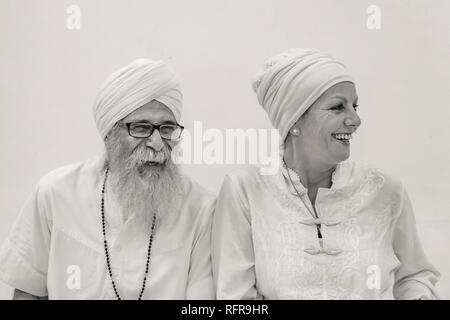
152 126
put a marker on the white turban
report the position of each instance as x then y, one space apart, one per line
131 87
292 81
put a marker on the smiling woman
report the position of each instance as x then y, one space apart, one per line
326 128
323 227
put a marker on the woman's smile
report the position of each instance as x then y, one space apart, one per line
343 138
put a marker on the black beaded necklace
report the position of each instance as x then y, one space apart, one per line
108 262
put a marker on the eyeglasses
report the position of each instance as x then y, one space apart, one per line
167 130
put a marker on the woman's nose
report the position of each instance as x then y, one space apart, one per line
155 141
353 119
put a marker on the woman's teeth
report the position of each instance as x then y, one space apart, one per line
342 136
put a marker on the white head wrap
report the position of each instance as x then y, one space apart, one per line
292 81
131 87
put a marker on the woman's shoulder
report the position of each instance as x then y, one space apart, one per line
365 172
245 174
246 179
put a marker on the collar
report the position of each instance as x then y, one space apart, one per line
340 178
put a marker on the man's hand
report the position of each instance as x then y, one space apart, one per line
21 295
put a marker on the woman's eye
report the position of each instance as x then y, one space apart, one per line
337 108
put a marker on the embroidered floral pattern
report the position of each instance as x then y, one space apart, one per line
356 220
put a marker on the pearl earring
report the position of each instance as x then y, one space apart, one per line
295 131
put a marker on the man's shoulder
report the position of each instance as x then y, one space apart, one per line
196 193
70 174
197 200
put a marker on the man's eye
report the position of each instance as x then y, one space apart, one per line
141 128
167 129
356 106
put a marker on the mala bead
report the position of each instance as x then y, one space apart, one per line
108 262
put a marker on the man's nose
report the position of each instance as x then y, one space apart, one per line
155 141
352 119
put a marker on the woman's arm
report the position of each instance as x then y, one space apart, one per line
232 251
416 277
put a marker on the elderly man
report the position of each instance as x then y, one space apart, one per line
125 225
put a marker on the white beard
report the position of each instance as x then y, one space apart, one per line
142 189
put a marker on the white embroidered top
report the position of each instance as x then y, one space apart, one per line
266 245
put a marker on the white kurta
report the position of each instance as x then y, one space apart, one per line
55 247
265 241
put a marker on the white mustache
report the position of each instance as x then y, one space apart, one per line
144 154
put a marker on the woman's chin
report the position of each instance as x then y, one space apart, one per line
345 157
341 155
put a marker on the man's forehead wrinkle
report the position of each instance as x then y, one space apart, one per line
151 116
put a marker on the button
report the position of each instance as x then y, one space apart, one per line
332 252
330 223
312 251
310 222
328 251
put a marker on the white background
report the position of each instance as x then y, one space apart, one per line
49 77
